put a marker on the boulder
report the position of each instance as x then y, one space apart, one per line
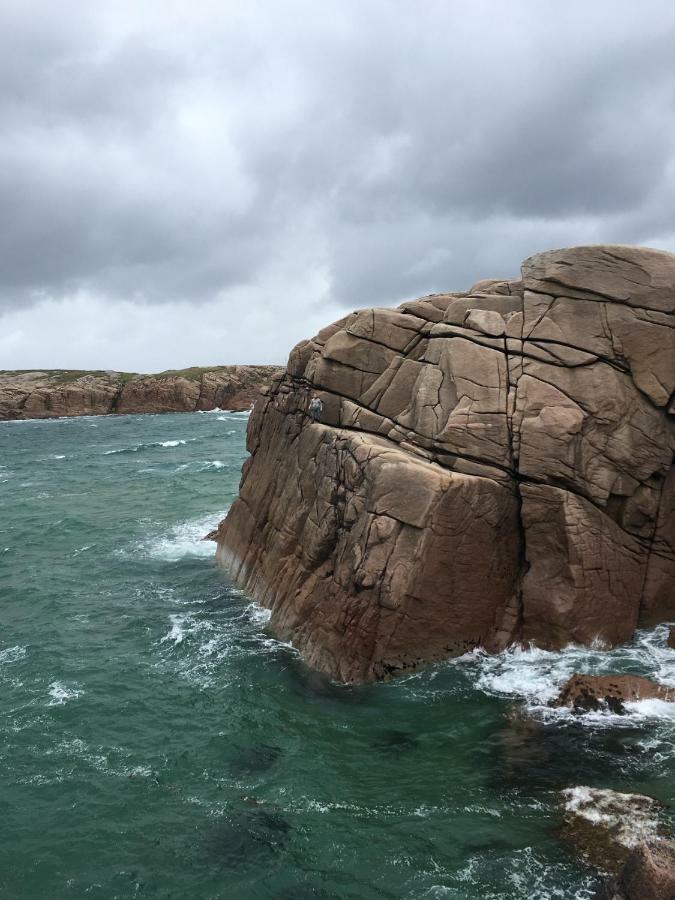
491 466
603 826
648 874
671 637
587 693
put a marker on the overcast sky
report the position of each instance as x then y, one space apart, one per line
199 183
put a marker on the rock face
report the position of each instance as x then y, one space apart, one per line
595 692
649 874
41 395
490 467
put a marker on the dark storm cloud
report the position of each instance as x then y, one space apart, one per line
174 152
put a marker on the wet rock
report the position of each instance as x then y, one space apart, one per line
648 874
589 693
604 826
671 637
491 467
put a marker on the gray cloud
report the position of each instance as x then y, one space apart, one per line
301 158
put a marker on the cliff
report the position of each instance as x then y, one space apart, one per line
491 466
55 393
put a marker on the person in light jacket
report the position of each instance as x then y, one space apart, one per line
315 409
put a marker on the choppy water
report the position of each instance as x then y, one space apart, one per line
155 741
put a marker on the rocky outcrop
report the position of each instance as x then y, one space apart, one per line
491 466
648 874
604 826
587 693
56 393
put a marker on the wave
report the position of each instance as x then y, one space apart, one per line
197 644
12 654
536 676
147 446
61 693
184 539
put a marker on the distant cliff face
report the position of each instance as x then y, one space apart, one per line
40 395
490 467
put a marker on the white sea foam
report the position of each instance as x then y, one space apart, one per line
631 818
176 635
536 676
12 654
57 456
185 539
61 693
83 549
148 446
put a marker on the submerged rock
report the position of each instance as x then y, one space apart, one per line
491 466
604 826
648 874
587 693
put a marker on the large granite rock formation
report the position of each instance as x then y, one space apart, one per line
491 466
56 393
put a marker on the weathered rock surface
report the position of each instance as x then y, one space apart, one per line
648 874
604 826
491 466
596 692
55 393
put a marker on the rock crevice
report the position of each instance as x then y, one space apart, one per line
491 466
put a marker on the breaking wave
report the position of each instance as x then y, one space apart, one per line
148 446
61 693
536 676
186 539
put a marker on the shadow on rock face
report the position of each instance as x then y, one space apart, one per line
254 759
396 742
245 837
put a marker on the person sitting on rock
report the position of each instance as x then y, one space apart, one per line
315 409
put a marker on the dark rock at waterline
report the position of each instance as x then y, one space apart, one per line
255 759
648 874
604 826
671 637
588 693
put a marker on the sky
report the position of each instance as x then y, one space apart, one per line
206 183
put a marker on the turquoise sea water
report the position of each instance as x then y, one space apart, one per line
156 741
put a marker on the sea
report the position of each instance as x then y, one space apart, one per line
157 741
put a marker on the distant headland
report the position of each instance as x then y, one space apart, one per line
53 393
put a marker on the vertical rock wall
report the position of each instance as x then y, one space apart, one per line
490 466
